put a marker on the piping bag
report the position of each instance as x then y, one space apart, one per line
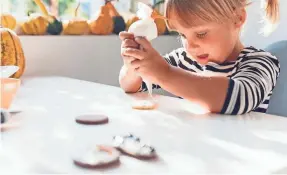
145 27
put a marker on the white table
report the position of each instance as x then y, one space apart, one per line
186 142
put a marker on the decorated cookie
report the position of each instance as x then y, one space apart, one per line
132 146
98 157
144 105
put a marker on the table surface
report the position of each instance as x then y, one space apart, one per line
185 140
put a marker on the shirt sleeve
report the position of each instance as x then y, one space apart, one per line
250 85
173 59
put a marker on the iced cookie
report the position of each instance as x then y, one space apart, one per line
98 157
132 146
144 105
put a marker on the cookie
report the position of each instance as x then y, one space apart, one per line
92 119
132 146
144 105
97 157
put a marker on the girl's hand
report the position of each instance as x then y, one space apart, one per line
128 41
128 78
148 63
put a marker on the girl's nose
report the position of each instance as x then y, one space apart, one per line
192 47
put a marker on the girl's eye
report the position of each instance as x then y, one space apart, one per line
201 35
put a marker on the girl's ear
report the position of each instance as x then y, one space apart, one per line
240 18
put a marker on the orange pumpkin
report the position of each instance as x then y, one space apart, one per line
76 26
8 21
35 25
160 23
103 24
11 51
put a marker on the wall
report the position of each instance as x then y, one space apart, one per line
92 58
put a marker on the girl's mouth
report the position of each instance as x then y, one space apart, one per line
202 57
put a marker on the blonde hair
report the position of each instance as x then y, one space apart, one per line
215 10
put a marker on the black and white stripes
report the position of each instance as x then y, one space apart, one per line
252 78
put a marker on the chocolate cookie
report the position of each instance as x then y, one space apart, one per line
92 119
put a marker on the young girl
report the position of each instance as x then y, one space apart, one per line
213 68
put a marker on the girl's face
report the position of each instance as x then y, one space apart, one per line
210 42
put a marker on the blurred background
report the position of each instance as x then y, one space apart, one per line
65 8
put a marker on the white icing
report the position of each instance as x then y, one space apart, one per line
134 147
144 103
96 156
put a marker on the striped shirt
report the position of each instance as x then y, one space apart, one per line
252 77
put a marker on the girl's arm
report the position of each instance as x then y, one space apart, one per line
246 90
210 92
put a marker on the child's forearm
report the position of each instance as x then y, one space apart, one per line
207 91
129 81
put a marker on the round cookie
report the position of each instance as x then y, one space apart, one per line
97 157
132 146
92 119
144 105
